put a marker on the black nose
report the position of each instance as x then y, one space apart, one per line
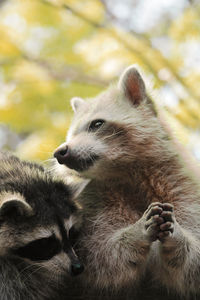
61 154
76 269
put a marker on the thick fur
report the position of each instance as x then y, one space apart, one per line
141 206
33 207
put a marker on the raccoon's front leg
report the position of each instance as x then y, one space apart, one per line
120 257
179 254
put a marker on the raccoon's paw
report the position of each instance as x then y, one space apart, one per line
153 220
166 228
159 221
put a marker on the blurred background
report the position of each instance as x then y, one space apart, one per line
52 50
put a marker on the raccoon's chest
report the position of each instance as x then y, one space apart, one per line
112 211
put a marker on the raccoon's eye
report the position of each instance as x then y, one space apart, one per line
96 124
41 249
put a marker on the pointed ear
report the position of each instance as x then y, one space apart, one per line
76 103
132 85
14 205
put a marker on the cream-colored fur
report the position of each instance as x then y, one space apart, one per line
141 206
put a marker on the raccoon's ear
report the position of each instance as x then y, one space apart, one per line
14 205
132 85
76 103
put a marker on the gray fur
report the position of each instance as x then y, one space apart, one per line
33 206
141 206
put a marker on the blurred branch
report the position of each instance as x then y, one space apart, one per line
78 14
131 48
2 2
147 42
112 32
137 53
75 12
111 17
68 73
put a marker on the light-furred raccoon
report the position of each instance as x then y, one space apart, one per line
141 206
36 214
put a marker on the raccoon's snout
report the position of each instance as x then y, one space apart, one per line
66 156
76 269
61 154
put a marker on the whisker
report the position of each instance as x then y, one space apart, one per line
113 134
33 272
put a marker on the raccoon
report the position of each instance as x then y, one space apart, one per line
36 215
141 206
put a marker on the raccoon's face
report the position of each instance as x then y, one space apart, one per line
38 238
111 131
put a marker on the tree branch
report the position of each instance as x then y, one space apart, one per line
68 73
164 61
76 13
131 48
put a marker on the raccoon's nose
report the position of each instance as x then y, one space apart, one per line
76 269
61 154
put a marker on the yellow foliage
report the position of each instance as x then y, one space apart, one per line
30 71
7 48
92 9
188 25
52 50
39 145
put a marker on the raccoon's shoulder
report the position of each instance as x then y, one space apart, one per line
11 165
19 175
7 159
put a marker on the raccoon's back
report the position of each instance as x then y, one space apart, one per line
21 177
11 167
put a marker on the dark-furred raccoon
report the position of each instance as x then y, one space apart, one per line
141 206
36 214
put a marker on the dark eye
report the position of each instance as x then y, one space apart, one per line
41 249
96 124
